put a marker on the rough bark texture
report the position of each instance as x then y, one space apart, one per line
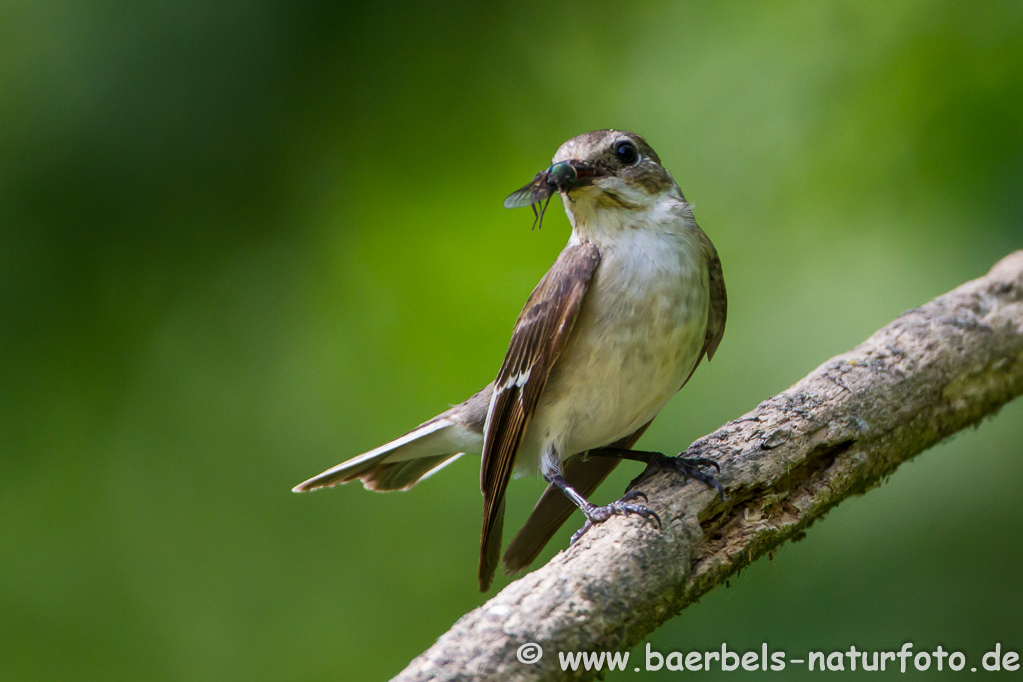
933 371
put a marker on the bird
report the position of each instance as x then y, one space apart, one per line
616 327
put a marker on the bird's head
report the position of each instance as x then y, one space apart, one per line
604 174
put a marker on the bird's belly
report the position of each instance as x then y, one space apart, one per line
629 353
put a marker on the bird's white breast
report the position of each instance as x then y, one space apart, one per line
638 335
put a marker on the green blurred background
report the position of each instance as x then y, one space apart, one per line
242 241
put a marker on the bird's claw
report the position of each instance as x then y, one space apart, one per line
699 462
634 495
623 506
690 467
581 532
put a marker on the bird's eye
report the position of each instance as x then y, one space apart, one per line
626 153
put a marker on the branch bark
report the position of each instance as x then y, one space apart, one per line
932 372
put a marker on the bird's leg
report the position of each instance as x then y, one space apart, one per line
595 514
687 467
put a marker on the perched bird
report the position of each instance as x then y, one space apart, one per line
616 326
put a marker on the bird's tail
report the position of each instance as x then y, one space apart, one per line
405 461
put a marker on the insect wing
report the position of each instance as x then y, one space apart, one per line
532 193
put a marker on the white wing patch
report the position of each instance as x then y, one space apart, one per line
519 379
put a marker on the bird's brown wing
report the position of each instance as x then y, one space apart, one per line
718 305
541 332
717 310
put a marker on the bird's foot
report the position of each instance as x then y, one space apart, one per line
687 467
690 467
623 506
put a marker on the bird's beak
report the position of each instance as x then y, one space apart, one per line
568 175
563 176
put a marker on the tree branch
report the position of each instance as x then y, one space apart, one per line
837 432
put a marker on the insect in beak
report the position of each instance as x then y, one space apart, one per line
561 177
